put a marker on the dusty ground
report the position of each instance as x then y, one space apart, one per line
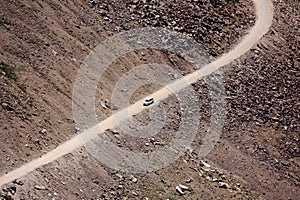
42 45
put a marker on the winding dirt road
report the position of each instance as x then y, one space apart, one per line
264 13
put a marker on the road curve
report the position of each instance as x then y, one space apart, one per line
264 13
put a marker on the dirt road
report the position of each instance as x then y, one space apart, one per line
264 12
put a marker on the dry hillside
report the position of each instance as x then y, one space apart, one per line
42 46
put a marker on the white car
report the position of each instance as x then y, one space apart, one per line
148 101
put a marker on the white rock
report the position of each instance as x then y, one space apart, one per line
183 187
189 180
134 193
205 164
43 131
39 187
4 104
223 185
178 189
208 178
133 179
120 176
103 105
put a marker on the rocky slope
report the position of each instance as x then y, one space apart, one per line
42 45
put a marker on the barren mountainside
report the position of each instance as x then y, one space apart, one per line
43 45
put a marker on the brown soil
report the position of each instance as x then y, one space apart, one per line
42 46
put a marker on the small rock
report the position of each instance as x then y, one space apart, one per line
12 190
39 187
120 176
178 189
189 180
155 23
237 189
43 131
205 164
133 179
7 107
96 181
285 163
6 195
103 105
223 185
183 187
18 182
4 104
134 193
